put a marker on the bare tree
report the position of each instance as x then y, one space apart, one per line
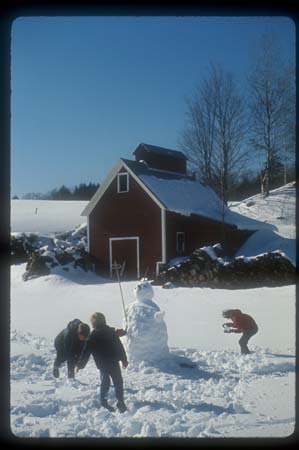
289 123
230 147
198 137
269 107
213 138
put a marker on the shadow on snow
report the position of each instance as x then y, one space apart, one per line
280 355
200 407
184 367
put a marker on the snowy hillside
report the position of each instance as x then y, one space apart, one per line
279 210
46 216
225 395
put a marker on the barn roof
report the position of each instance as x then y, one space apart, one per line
178 193
162 151
141 168
182 194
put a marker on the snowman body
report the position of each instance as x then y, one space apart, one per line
147 336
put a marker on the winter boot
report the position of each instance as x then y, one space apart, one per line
106 405
71 372
121 406
55 371
246 352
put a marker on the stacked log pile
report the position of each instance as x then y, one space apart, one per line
43 253
206 268
21 246
268 269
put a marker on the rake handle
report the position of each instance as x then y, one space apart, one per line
121 293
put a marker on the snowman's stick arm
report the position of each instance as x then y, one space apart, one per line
121 293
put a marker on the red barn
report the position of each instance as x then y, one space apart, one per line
149 211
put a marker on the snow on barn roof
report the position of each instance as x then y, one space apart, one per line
183 195
163 151
178 193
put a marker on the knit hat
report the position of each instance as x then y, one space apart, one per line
229 312
99 319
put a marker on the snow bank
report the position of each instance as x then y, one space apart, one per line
264 241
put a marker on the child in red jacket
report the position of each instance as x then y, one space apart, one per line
241 323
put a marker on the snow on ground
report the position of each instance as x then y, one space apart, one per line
226 394
279 210
46 216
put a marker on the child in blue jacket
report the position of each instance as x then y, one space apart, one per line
69 344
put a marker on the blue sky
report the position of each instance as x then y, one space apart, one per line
88 90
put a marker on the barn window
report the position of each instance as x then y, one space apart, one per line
122 182
180 242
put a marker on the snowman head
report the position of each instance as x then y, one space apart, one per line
144 291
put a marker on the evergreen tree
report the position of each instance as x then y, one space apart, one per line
85 191
61 194
81 192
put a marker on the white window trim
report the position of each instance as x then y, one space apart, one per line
121 174
184 242
137 251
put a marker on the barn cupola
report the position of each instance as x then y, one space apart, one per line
161 158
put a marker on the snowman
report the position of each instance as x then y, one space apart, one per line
146 338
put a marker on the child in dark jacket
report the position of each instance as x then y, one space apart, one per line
107 350
241 323
69 345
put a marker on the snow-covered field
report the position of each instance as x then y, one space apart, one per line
225 395
46 216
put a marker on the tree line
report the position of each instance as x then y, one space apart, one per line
81 192
243 143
